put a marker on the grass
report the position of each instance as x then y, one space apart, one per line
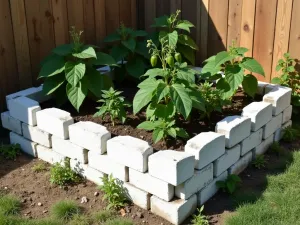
103 216
118 221
39 167
65 210
279 203
9 205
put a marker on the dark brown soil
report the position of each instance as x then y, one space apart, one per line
194 126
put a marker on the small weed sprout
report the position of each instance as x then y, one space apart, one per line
290 134
113 192
39 167
9 205
10 151
62 175
230 184
259 162
200 219
275 148
65 210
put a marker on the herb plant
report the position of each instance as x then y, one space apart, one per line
230 184
289 77
113 192
163 128
127 48
235 67
259 162
10 151
113 105
200 219
176 31
62 175
70 73
290 134
276 148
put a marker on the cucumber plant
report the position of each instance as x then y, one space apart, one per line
235 67
177 32
129 50
69 71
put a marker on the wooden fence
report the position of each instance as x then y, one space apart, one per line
29 29
268 28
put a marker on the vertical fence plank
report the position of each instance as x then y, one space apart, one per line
282 31
100 21
40 32
294 47
134 5
217 30
61 25
89 21
21 42
75 15
234 22
204 11
112 15
247 25
189 12
150 14
264 35
8 64
125 12
175 5
163 7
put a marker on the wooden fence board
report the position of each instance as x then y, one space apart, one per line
234 22
89 21
112 16
100 21
125 11
203 29
61 24
294 45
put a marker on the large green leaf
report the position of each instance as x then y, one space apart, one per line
165 111
142 98
136 67
210 69
188 41
112 37
147 125
97 82
149 82
119 52
197 99
63 50
181 99
188 53
74 72
222 57
253 66
250 85
225 88
51 84
155 72
53 66
157 135
77 94
161 22
184 25
130 44
187 75
162 91
173 38
86 53
241 50
104 59
234 75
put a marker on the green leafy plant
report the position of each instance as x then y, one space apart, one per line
80 219
230 184
212 98
200 219
259 162
127 48
39 167
65 210
290 134
163 128
103 216
70 72
9 205
177 31
235 66
62 175
119 221
275 148
113 105
10 151
289 77
113 192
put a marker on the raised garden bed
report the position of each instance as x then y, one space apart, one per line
170 183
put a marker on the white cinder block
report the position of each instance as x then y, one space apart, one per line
207 147
264 146
55 121
107 165
175 211
200 179
235 129
272 126
48 155
269 87
11 123
230 157
172 166
287 114
261 88
67 148
210 190
90 136
137 196
24 109
87 172
130 151
280 132
39 95
252 141
151 184
37 135
27 146
280 98
260 114
242 164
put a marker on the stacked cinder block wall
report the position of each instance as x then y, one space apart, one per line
169 183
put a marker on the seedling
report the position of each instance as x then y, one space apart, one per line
275 148
10 151
200 219
230 184
39 167
290 134
259 162
62 175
